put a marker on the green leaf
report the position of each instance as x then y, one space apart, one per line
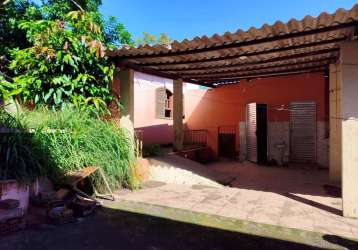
49 93
37 98
58 96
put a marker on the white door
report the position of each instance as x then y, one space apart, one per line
303 132
251 126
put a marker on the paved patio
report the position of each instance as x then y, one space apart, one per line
294 198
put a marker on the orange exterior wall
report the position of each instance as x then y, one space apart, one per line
227 105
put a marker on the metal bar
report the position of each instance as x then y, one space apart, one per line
195 137
351 24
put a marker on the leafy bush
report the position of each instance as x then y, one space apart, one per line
66 63
68 140
52 52
76 139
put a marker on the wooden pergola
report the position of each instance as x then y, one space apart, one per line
308 45
328 43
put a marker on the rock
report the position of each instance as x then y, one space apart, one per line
9 204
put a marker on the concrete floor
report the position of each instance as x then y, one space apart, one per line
289 197
129 225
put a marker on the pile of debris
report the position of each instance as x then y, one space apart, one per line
12 218
74 198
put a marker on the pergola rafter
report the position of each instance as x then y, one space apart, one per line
303 46
247 54
270 60
258 72
325 60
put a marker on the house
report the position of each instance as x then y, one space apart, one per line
285 92
153 104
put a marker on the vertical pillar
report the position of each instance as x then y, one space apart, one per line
126 93
178 114
349 121
335 138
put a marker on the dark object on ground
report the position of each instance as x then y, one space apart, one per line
334 191
83 207
75 179
12 225
72 199
199 154
9 204
60 215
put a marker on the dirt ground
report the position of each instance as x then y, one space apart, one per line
115 229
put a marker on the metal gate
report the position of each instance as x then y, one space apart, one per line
251 126
227 141
303 132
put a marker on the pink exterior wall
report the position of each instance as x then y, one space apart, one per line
10 189
227 105
156 131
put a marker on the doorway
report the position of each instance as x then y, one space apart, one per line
227 141
303 132
256 132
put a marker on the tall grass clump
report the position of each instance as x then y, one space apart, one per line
17 158
70 139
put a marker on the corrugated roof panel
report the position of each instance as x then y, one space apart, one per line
253 45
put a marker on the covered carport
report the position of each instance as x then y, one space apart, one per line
327 43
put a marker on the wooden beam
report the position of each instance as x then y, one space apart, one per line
237 44
145 70
247 54
233 75
158 73
216 84
273 59
194 75
250 74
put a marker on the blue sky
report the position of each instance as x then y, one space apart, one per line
189 18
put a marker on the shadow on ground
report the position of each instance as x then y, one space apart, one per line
115 229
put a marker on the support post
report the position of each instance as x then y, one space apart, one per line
335 129
178 114
126 93
349 121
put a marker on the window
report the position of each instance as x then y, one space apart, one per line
164 103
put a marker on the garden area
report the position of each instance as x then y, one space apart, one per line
58 114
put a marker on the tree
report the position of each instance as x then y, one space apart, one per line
62 58
66 63
149 39
57 9
116 33
11 36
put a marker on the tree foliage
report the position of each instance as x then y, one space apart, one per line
58 57
149 39
66 63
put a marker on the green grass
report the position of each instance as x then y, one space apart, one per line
68 140
17 159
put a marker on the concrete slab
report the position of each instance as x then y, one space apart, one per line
292 198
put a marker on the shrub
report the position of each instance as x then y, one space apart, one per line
68 140
17 159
